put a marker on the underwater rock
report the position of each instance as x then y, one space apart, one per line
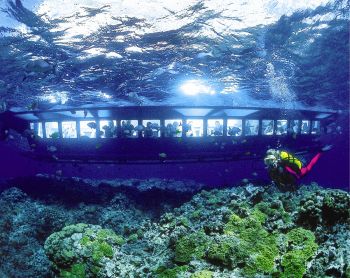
245 231
13 195
38 66
324 208
333 255
81 250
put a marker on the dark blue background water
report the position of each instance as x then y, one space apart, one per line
268 53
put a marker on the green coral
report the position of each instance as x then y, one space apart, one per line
196 214
224 251
76 271
302 246
202 274
248 244
190 247
80 250
274 211
257 247
163 272
324 208
133 238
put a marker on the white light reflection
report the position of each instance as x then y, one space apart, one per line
56 98
104 95
195 87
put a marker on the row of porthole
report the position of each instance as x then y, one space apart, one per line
170 128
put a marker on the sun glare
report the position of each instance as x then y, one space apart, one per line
196 87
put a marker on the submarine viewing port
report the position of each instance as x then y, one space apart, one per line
149 134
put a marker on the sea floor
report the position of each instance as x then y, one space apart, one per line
69 227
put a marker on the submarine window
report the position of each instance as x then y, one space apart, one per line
173 128
215 127
69 129
234 127
38 129
315 127
88 129
282 127
267 127
129 128
51 129
193 128
294 126
108 128
151 128
305 127
251 127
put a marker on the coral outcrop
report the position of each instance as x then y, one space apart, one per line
82 250
245 231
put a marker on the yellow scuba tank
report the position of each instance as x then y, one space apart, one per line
290 159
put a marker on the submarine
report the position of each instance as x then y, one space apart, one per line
164 134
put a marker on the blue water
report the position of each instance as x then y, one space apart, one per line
226 217
253 53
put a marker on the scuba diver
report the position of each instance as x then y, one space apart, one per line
285 169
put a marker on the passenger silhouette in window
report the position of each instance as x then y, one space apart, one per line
269 128
173 129
127 129
109 130
188 129
305 127
148 132
218 129
294 127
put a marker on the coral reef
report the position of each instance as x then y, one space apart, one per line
81 250
324 208
109 230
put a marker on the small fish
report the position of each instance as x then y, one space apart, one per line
245 180
55 157
227 170
11 137
255 174
234 142
247 153
98 146
52 149
244 141
59 172
33 146
162 155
